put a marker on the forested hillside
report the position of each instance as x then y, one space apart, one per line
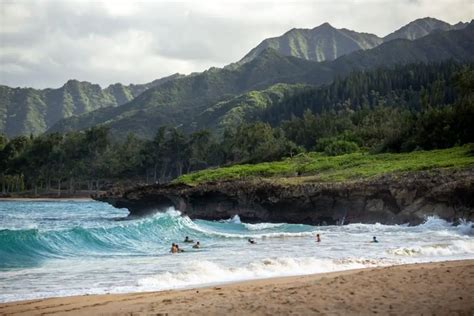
326 43
195 101
182 102
397 109
25 111
321 43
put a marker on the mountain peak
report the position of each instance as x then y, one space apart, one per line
419 28
321 43
325 25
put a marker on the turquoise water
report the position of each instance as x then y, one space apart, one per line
69 248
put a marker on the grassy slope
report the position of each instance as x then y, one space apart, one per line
317 167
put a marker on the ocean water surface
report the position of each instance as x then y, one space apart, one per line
63 248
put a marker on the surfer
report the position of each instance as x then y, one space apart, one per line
197 245
374 239
250 240
318 239
188 240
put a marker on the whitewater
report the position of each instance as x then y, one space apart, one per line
62 248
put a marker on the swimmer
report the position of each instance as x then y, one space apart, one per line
317 238
178 249
197 245
374 239
250 240
174 248
188 240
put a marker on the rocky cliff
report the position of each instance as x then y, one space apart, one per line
390 199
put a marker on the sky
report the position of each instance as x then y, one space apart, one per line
44 43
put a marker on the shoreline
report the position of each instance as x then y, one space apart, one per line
392 198
445 287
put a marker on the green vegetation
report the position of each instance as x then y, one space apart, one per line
319 167
319 44
189 102
25 111
420 28
327 43
409 108
184 102
247 107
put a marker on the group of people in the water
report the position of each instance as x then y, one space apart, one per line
318 238
175 247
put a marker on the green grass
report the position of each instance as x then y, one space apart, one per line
318 167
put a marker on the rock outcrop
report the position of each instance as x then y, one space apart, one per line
390 199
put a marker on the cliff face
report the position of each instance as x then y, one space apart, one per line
391 199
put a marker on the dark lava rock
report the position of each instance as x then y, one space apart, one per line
389 199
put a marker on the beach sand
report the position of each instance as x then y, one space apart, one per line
445 288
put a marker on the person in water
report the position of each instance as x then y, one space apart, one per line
250 240
174 248
197 245
318 239
178 249
188 240
374 239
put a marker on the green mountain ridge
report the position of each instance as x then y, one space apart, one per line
26 111
326 43
183 102
422 27
178 102
191 101
321 43
246 107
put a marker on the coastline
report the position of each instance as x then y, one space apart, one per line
391 198
423 288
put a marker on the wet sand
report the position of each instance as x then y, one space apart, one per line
444 288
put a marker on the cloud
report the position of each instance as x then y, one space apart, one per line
44 43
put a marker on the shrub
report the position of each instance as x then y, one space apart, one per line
340 147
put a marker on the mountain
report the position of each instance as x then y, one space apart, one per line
189 102
246 107
26 111
422 27
456 45
321 43
181 101
326 43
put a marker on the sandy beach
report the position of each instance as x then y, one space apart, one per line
444 288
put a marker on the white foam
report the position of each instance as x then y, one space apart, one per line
456 247
262 226
435 223
466 228
234 220
207 272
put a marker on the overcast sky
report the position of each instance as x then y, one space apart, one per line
44 43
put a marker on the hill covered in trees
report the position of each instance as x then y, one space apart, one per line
179 102
183 102
396 109
25 111
214 98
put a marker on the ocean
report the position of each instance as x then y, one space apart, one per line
62 248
